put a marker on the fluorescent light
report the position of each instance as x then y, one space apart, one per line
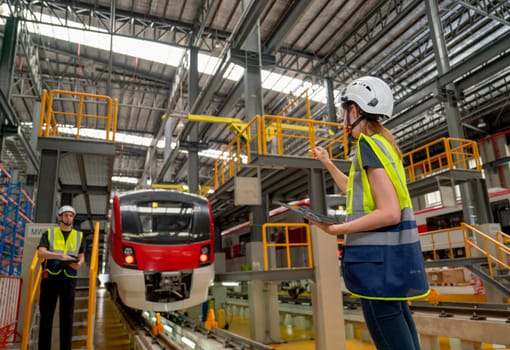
230 284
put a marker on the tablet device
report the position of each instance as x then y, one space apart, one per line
309 213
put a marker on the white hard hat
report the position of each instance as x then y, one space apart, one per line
65 208
371 94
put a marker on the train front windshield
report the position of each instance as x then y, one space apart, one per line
165 222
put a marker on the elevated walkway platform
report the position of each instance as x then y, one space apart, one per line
76 165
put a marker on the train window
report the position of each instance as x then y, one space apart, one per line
243 239
165 222
449 220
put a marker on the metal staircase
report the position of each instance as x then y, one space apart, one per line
487 256
500 279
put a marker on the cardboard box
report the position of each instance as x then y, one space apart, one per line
435 277
453 276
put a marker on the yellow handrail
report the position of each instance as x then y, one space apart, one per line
92 289
287 245
440 155
32 289
48 124
501 248
438 233
256 134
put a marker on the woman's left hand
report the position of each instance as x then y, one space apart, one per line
332 229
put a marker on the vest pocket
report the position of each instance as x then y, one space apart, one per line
363 270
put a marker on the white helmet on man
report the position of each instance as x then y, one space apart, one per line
66 208
372 95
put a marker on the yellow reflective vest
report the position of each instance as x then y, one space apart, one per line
58 244
387 263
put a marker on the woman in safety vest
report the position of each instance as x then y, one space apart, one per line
63 250
382 262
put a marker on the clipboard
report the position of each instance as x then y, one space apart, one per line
309 213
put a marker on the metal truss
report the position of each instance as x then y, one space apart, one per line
125 23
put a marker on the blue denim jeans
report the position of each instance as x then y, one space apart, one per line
390 324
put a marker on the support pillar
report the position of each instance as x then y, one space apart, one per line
169 124
193 161
450 95
327 304
7 60
31 176
262 301
47 186
8 54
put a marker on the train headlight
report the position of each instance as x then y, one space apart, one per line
204 255
128 254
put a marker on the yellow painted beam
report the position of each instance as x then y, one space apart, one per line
177 187
213 119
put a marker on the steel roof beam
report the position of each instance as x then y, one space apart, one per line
455 72
151 27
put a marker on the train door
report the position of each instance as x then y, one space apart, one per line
501 214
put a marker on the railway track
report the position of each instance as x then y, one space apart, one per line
175 331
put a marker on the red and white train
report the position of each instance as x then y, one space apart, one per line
430 219
161 249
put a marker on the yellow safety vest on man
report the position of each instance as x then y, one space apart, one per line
58 244
387 263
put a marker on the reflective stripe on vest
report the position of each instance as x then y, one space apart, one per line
58 244
386 263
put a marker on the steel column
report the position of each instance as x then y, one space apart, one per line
8 54
193 161
46 189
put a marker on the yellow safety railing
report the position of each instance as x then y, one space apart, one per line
34 278
297 136
440 155
442 239
295 101
292 136
286 244
92 288
237 152
486 245
51 119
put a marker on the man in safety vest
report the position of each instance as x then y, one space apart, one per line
63 250
382 262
